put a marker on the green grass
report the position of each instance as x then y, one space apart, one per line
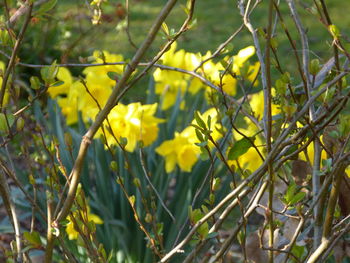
216 20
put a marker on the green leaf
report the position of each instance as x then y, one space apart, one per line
292 188
334 31
48 74
314 67
45 7
209 122
165 29
34 82
298 251
297 198
202 144
113 75
3 124
33 238
199 135
199 120
57 83
240 148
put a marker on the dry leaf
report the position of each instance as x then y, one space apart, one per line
300 170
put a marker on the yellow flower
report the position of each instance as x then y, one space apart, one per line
97 75
242 57
228 81
97 82
182 150
135 122
309 155
70 103
64 75
169 84
80 216
257 105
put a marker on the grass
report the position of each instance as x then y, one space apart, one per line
216 20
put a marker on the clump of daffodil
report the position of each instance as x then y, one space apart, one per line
89 94
183 149
226 77
170 83
134 122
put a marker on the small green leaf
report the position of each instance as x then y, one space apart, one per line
6 122
132 200
334 31
57 83
114 166
199 135
33 238
199 120
274 43
45 7
48 74
297 198
34 82
113 75
292 188
209 122
314 67
165 29
202 144
240 148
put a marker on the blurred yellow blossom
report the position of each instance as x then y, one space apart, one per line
96 76
257 105
86 97
170 83
70 103
135 122
228 81
81 218
64 75
309 154
182 150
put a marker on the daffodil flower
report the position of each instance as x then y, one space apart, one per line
182 149
135 122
